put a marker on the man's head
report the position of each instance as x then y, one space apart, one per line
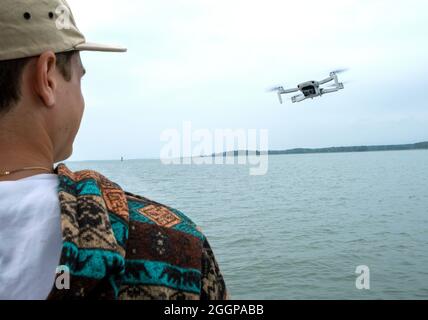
44 93
41 102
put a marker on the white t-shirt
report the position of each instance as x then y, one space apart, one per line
30 237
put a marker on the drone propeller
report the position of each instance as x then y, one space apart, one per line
273 89
338 71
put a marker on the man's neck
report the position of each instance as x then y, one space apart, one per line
15 156
24 142
28 137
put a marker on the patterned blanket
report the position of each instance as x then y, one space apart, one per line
117 245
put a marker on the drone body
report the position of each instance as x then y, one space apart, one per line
312 89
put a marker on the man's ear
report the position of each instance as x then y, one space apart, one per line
45 84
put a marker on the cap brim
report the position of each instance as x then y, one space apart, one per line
88 46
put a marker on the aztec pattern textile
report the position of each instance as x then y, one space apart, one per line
117 245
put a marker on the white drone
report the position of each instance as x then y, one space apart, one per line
312 89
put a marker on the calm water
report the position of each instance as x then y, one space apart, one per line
300 231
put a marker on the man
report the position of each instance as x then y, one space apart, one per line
74 235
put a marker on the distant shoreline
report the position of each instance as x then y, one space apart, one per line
398 147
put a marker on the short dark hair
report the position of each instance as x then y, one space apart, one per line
11 78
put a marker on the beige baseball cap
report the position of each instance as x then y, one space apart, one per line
30 27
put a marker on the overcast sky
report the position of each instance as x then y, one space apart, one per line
210 62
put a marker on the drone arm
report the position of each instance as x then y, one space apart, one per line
324 91
326 80
289 91
282 91
280 98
